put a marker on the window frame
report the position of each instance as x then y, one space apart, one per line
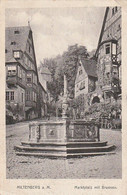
80 72
12 70
28 96
107 48
16 54
7 96
12 97
16 32
22 97
114 48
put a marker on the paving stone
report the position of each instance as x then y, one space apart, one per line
24 167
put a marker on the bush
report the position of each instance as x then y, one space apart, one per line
98 110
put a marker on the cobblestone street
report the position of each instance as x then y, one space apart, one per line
22 167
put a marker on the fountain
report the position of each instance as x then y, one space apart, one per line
64 137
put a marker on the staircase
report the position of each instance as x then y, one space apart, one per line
64 150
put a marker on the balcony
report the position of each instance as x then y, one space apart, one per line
11 80
21 82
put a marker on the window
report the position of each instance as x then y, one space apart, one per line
80 72
19 72
34 79
16 32
114 10
11 70
114 48
107 48
22 97
34 96
5 50
28 95
7 95
16 54
13 43
12 95
23 76
29 80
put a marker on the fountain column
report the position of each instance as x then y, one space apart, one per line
65 85
65 103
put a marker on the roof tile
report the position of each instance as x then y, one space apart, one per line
90 67
19 38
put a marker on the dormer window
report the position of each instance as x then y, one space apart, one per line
114 10
16 32
13 43
16 54
107 48
11 70
80 72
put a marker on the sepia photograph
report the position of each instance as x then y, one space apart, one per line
63 92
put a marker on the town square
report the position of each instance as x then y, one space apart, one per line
63 93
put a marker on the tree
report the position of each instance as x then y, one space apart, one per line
64 64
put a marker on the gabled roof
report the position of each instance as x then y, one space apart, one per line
12 60
103 26
90 67
15 39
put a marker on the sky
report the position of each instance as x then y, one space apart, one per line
54 29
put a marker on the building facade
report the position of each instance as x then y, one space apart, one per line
86 81
45 77
22 81
109 54
42 101
105 84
